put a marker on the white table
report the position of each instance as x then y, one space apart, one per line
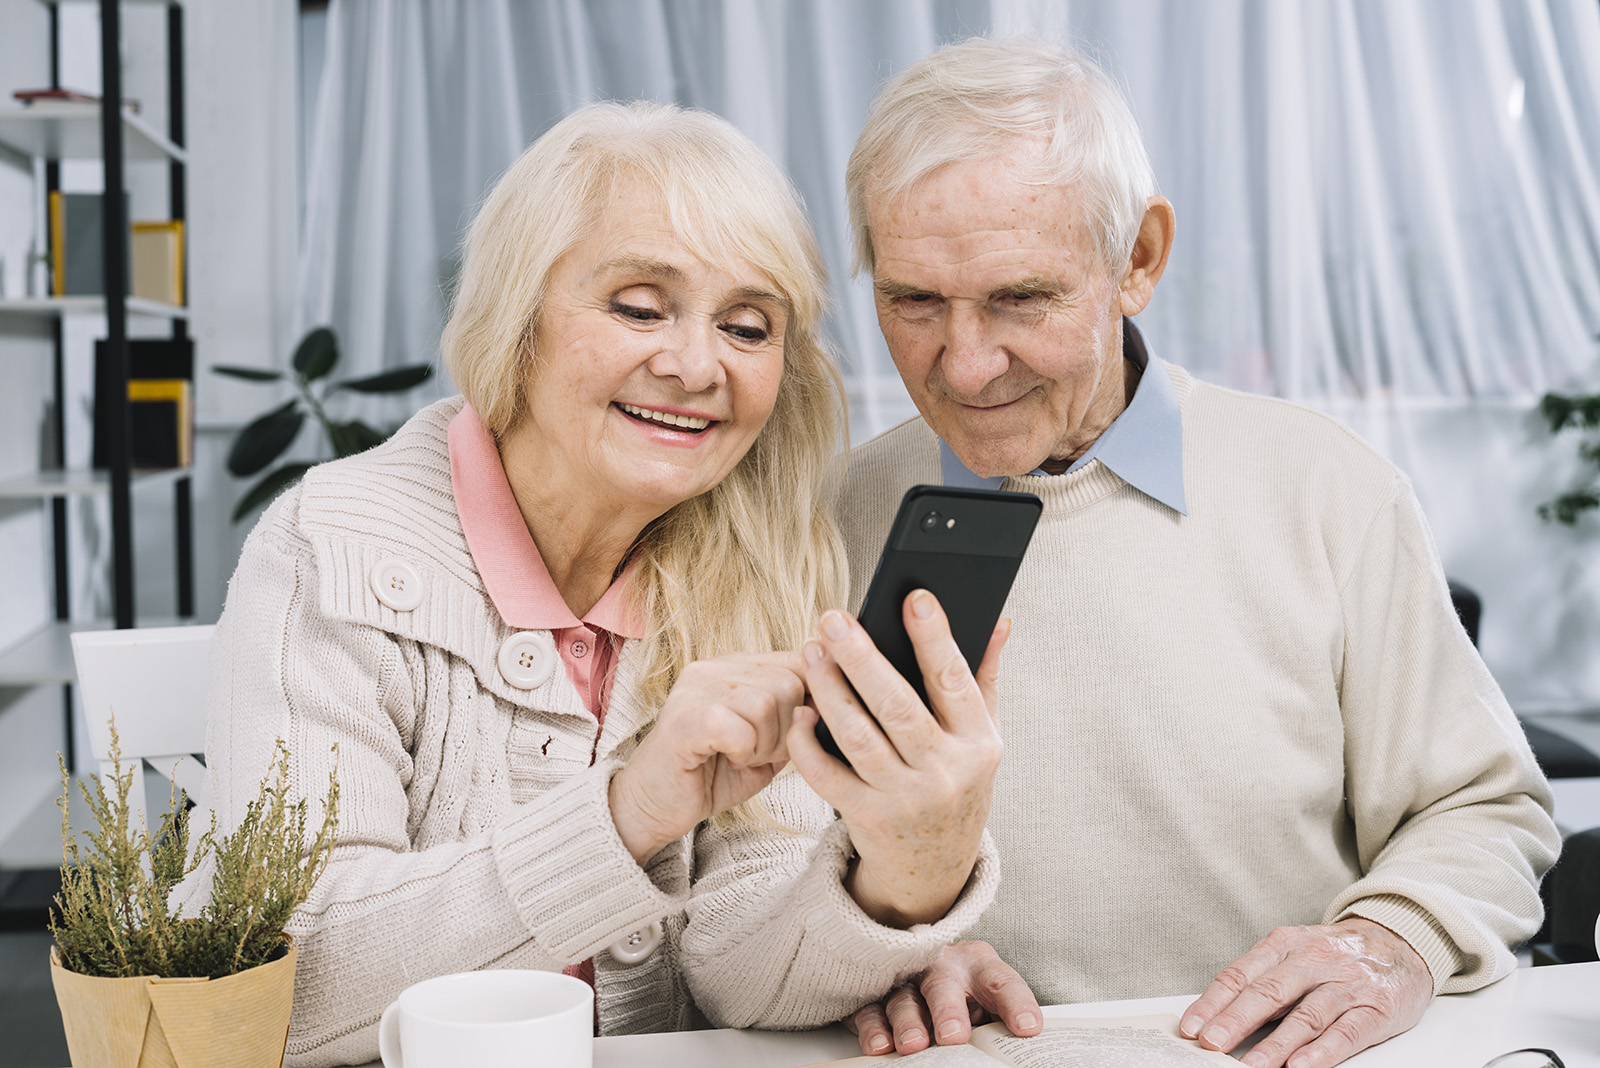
1556 1007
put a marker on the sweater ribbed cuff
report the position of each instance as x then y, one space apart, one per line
570 877
834 916
1414 924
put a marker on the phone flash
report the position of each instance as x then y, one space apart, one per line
949 524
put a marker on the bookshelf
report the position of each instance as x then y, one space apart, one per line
57 130
51 132
48 485
70 129
87 305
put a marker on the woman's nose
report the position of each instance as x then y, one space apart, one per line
689 354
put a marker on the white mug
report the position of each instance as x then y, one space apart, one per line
490 1019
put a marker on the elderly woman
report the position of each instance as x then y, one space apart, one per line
551 628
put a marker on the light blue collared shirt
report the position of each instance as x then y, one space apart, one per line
1143 446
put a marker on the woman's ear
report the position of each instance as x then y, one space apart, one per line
1149 258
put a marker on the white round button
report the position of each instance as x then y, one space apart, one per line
525 659
396 584
637 946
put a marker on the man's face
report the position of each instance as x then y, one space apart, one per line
1002 320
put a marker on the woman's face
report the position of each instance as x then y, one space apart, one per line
656 371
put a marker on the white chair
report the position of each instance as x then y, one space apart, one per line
153 680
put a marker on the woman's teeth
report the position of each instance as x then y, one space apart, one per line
682 422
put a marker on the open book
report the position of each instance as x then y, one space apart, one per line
1124 1042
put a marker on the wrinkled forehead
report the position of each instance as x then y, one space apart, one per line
729 234
978 216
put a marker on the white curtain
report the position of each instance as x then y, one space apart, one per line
1385 207
1376 198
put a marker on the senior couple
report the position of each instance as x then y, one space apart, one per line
572 632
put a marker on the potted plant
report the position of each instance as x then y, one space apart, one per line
269 436
139 985
1581 412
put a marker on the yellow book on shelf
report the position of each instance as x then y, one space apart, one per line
158 261
58 227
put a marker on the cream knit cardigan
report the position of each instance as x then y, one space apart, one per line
474 832
1262 713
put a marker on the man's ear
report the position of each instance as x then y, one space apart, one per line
1149 257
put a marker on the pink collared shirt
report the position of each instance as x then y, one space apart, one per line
514 573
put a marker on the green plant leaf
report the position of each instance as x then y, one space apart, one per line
397 381
318 352
274 483
1556 409
353 437
264 440
249 374
1568 508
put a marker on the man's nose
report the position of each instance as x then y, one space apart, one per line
689 354
972 356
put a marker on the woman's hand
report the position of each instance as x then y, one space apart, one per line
719 740
916 796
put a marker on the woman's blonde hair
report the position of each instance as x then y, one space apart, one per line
749 565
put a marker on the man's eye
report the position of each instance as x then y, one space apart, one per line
919 304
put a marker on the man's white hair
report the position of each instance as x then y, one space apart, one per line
975 100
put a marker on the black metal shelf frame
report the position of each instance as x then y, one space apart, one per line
115 251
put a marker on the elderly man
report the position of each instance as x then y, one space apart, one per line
1236 702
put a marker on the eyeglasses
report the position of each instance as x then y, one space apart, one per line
1527 1058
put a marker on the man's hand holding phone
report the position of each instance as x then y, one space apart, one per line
917 790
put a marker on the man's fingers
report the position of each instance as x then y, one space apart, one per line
908 1017
1351 1033
1001 990
945 990
1303 1024
871 1025
1230 983
1262 1000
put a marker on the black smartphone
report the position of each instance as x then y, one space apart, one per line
962 545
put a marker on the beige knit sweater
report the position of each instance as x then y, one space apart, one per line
1262 713
474 832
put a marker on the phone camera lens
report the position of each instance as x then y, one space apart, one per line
931 520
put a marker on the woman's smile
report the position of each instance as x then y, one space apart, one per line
675 422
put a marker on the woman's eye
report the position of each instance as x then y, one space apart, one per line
746 331
634 311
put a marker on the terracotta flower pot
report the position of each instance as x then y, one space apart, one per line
240 1021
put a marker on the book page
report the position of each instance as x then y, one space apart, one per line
1123 1042
1120 1042
932 1057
